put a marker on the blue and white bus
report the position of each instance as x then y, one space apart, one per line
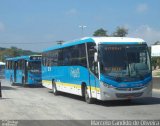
24 70
2 68
104 68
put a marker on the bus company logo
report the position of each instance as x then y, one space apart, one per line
75 72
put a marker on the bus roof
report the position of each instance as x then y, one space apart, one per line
22 57
99 40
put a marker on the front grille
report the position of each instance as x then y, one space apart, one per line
129 89
128 95
137 88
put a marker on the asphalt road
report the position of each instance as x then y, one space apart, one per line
24 103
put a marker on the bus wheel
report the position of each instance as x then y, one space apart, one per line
87 97
54 88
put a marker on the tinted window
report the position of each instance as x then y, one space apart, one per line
73 55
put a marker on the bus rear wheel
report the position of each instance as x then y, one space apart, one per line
54 88
88 99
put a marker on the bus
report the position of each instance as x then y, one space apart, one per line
24 70
2 67
103 68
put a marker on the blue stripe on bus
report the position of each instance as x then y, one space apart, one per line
87 41
125 84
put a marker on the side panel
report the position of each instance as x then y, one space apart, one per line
68 78
9 74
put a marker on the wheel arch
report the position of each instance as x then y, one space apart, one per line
83 85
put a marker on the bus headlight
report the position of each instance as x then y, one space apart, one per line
106 85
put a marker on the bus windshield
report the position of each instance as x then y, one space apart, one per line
34 66
124 62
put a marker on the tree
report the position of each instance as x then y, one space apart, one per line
157 43
100 32
13 52
120 32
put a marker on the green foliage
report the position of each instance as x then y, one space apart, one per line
120 32
13 52
157 43
155 61
100 33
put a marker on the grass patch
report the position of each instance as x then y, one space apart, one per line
158 73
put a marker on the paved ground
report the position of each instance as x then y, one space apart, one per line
19 103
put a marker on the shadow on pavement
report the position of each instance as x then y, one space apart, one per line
27 86
116 103
133 102
67 95
33 86
8 88
4 98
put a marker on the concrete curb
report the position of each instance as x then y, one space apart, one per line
156 90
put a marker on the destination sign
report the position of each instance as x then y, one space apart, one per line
35 58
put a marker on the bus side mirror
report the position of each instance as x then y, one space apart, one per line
95 57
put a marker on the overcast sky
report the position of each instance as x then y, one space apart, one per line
38 24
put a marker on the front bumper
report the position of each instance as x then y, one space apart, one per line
125 93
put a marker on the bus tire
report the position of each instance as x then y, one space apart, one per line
88 99
54 88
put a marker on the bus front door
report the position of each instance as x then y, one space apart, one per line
15 71
94 80
26 72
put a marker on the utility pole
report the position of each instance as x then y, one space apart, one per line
82 27
60 42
